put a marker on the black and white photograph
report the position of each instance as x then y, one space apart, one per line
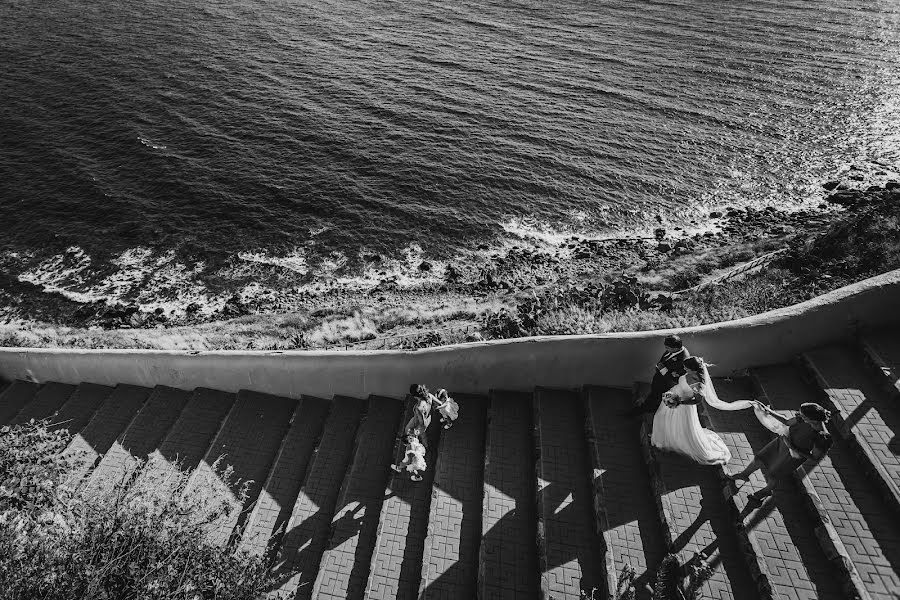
450 300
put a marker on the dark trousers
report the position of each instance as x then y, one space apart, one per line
659 386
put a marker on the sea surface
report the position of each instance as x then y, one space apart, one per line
314 134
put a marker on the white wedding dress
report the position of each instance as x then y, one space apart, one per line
678 429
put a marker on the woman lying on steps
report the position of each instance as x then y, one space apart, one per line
414 457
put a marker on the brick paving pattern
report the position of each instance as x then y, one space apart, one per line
273 508
622 486
140 438
701 523
108 422
189 438
14 397
200 420
508 555
573 559
867 527
796 563
397 561
308 527
47 401
743 435
248 442
450 562
345 564
80 407
357 530
868 412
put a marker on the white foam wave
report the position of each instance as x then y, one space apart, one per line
155 281
140 276
295 261
526 229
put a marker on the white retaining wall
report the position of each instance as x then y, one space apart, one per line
564 361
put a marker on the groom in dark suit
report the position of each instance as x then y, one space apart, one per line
669 368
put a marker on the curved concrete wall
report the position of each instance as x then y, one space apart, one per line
564 361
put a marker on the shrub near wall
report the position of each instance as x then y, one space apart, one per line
131 541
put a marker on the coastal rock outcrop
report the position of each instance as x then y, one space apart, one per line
845 197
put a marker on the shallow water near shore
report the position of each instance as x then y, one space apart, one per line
171 153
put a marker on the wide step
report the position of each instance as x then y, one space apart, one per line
572 558
133 446
307 530
699 521
80 407
190 437
866 416
623 501
865 524
247 442
450 562
273 508
345 564
399 549
508 554
796 563
15 397
110 420
741 432
47 401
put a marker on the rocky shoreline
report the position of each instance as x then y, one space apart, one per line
669 259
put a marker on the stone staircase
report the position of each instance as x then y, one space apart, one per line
531 495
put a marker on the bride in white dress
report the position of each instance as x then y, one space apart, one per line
676 426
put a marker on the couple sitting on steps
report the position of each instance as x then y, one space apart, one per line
682 381
416 439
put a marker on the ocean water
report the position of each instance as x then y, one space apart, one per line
316 132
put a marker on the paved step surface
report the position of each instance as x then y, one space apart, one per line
15 397
248 442
864 522
572 557
109 420
867 527
46 401
743 434
699 521
624 507
308 527
865 414
273 508
450 561
345 563
399 548
190 437
134 445
508 565
80 407
796 563
530 495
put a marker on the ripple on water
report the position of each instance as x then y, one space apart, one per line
304 135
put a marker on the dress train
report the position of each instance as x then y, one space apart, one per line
678 429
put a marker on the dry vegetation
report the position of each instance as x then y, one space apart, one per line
135 539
